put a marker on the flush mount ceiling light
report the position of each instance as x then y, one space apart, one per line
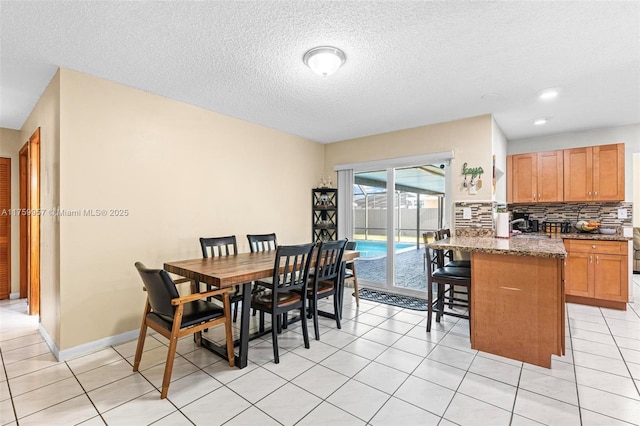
540 121
324 60
548 94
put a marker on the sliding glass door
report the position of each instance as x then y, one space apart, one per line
392 208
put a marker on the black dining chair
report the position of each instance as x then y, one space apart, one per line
259 243
285 290
174 317
326 280
223 246
444 275
262 242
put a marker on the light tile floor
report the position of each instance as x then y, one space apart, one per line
382 368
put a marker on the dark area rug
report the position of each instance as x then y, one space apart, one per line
393 299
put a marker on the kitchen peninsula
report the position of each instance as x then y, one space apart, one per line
517 302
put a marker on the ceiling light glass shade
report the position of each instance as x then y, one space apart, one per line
548 94
324 60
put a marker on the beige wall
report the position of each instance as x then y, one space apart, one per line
470 140
10 144
46 115
182 173
629 135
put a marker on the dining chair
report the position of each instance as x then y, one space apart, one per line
285 290
223 246
350 271
327 274
443 275
174 316
259 243
262 242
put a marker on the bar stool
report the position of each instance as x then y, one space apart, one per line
456 294
428 237
442 276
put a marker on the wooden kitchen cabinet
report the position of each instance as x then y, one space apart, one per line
536 177
596 273
594 173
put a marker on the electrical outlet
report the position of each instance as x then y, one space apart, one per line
622 213
466 213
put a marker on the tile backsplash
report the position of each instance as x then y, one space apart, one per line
605 213
482 214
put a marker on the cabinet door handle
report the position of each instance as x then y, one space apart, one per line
597 260
595 194
589 194
590 259
539 197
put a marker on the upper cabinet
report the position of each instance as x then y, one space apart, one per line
536 177
594 173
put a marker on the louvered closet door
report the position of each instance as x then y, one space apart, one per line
5 227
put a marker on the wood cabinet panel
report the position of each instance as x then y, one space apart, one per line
608 172
536 177
578 174
578 280
610 276
517 307
525 175
594 173
596 273
550 176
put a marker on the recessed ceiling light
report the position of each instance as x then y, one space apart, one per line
540 121
548 94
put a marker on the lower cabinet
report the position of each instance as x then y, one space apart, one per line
596 273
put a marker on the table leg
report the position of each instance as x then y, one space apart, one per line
245 317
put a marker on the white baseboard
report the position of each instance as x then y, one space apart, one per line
87 348
14 295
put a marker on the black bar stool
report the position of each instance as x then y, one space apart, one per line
445 275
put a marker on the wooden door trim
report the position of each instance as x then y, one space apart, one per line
30 255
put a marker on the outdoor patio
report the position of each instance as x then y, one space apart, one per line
409 270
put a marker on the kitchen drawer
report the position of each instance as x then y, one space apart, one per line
595 246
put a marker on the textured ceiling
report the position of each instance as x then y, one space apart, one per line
409 63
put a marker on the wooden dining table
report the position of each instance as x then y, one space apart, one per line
231 271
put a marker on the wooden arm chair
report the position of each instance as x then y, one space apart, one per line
174 317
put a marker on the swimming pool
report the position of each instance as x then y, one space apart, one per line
370 249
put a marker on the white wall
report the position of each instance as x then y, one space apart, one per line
629 135
499 148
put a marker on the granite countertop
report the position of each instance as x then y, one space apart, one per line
521 246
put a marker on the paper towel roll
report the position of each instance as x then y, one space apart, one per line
502 225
